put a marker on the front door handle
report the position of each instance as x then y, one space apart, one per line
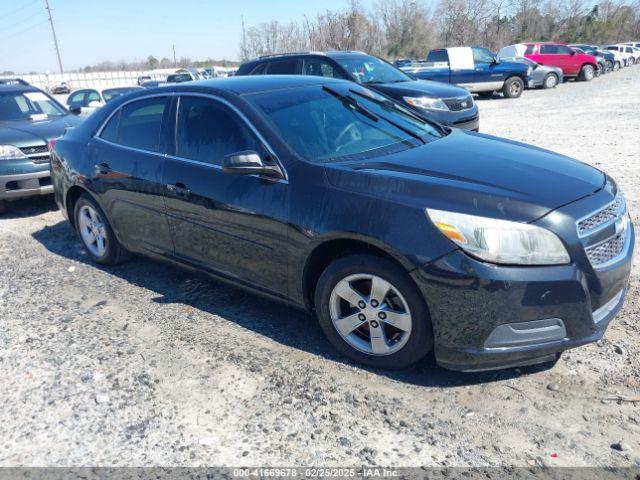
179 189
103 168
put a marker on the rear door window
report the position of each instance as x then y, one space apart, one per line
259 70
141 123
284 67
564 50
548 49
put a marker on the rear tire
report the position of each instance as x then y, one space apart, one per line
367 334
96 234
587 72
616 66
513 87
550 81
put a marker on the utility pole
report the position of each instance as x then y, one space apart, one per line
55 39
243 45
175 64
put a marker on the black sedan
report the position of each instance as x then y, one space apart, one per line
402 236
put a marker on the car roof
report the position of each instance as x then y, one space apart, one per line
13 88
244 85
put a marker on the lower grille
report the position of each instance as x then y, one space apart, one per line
459 104
37 153
606 251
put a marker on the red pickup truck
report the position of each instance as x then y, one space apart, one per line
572 63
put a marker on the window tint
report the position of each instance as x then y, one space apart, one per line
110 130
141 123
92 96
480 55
564 50
438 56
548 49
629 50
320 68
529 50
76 99
208 131
259 70
284 67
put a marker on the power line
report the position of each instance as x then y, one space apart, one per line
53 31
4 15
24 30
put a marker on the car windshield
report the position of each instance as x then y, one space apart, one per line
365 69
33 106
112 93
330 123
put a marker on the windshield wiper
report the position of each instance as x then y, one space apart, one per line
352 103
390 105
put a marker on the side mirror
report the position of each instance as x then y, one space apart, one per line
250 163
95 104
75 109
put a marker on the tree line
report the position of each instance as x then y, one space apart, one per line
410 28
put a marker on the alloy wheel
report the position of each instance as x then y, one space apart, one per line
92 230
514 89
370 314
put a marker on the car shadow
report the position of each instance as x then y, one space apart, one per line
29 207
282 324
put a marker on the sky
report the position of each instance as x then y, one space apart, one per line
91 31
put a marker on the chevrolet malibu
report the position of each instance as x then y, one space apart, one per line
404 237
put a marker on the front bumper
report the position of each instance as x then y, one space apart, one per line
487 316
25 185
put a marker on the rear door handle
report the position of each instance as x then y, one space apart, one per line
103 168
178 189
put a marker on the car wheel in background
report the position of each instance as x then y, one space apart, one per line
631 61
372 312
96 233
513 87
550 81
587 72
616 66
598 71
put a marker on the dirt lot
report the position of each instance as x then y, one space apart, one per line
144 364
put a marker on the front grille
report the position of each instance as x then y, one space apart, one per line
601 217
459 104
608 250
37 153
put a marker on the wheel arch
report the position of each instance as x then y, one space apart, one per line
331 249
71 197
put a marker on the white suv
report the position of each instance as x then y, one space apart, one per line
627 52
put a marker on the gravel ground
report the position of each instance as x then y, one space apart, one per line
144 364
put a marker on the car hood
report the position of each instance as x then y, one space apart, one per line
421 88
472 173
25 133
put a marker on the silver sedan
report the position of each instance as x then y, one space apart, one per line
543 76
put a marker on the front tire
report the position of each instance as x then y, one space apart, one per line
96 233
372 312
550 81
587 72
616 66
513 87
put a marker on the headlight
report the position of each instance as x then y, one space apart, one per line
500 241
9 152
426 103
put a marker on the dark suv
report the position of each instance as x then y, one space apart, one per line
401 235
447 104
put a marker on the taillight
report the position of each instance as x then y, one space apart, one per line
51 144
